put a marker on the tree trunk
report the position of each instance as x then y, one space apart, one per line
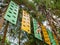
5 32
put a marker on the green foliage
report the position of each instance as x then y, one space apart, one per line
41 18
58 4
37 1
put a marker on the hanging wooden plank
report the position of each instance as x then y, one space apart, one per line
26 22
52 40
12 13
37 30
45 34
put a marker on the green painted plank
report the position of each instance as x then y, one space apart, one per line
37 32
51 37
12 13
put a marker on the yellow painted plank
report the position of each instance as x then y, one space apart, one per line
26 22
45 34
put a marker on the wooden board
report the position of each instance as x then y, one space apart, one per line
37 30
26 22
45 34
12 13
